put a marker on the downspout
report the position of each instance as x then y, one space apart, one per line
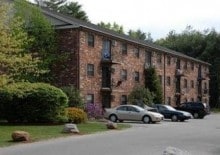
78 57
164 79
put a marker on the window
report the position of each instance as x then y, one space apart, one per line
185 65
124 74
168 81
123 99
148 57
159 58
90 98
168 60
136 76
90 70
91 40
192 99
185 83
124 48
160 78
136 52
192 66
192 84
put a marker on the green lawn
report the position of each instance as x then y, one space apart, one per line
41 132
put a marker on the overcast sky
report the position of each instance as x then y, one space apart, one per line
155 16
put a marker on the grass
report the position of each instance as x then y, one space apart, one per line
43 132
215 110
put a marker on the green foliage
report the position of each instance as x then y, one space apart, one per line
140 96
75 100
43 43
115 27
153 84
76 115
138 34
32 102
16 63
51 4
74 9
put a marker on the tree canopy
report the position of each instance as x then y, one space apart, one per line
63 6
16 62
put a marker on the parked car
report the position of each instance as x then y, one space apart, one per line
171 113
133 113
150 108
197 109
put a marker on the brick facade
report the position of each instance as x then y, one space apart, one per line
172 69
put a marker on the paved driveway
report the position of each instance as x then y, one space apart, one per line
193 137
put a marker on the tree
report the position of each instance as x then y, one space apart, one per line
141 96
51 4
152 83
16 63
138 34
40 30
115 27
73 8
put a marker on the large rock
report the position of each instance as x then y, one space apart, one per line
175 151
111 125
20 136
70 128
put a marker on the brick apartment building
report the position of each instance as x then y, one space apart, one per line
105 66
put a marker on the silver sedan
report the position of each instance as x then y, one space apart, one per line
132 113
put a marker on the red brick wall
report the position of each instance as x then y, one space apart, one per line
66 70
74 69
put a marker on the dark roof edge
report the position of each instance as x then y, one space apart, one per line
76 23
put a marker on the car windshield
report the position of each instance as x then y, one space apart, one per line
170 108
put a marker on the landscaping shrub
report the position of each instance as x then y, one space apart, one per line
141 96
32 102
76 115
75 100
94 110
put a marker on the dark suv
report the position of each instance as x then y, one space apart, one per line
197 109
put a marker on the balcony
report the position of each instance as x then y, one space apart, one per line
179 72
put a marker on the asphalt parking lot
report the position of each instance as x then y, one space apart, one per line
192 137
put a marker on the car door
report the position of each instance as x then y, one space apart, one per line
133 114
163 110
122 113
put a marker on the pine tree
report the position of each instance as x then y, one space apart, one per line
153 84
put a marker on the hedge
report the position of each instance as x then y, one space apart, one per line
32 102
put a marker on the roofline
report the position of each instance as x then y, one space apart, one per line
93 27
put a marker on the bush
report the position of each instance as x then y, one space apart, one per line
76 115
32 102
94 110
75 100
141 96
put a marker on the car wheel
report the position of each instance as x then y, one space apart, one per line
146 119
174 118
196 115
113 118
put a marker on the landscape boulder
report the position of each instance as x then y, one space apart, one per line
111 125
20 136
70 128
